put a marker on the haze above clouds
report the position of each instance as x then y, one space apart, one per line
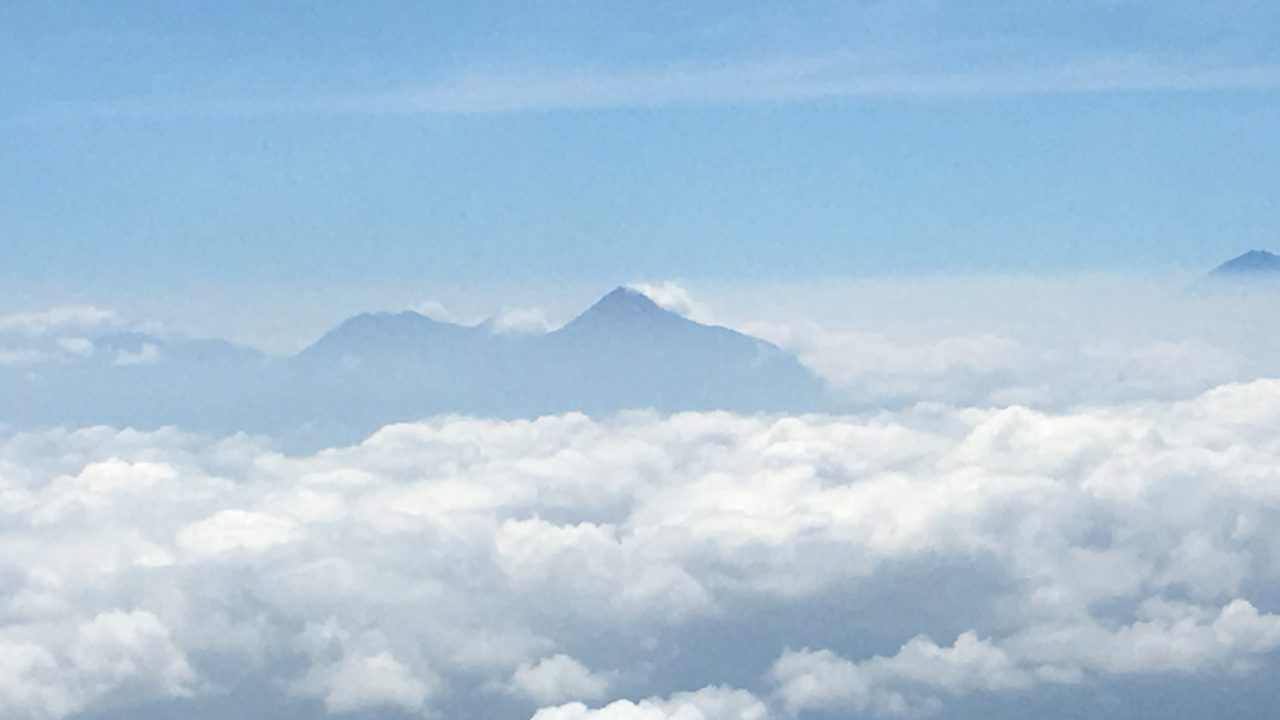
1050 341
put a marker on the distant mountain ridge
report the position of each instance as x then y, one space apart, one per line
1252 263
624 352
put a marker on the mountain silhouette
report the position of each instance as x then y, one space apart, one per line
1256 271
1252 263
624 352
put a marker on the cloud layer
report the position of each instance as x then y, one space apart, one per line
709 566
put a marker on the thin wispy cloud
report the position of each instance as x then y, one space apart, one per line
43 322
782 80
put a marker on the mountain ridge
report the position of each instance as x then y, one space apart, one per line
623 352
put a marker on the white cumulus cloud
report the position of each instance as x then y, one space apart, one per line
709 703
558 678
895 563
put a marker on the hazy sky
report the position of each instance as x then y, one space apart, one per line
149 145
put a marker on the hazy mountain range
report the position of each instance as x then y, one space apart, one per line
624 352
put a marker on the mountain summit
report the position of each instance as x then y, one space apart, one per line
625 308
625 300
405 334
626 351
623 305
1254 263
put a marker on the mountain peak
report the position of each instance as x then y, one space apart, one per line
624 304
625 308
406 330
383 323
1252 262
628 299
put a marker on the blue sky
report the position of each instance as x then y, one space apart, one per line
153 145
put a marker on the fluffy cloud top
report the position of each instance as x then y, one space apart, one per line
558 679
891 564
709 703
677 299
